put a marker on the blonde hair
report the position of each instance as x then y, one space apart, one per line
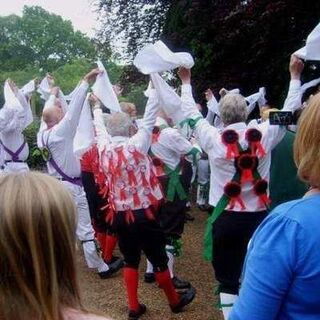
307 143
37 247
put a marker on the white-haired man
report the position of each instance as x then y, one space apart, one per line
56 143
15 116
134 198
240 159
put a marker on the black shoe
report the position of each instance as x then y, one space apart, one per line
180 284
189 217
113 268
135 315
185 299
149 277
115 260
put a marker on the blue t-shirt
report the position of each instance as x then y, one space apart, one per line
282 268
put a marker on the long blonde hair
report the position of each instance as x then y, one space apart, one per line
37 248
307 143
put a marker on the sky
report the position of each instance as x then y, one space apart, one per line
80 12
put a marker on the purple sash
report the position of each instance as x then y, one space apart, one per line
14 155
65 177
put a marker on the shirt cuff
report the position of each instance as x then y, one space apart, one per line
84 84
295 84
186 88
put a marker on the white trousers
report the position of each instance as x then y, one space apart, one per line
203 180
85 232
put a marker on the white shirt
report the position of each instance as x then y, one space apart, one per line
12 122
60 137
170 147
222 169
139 142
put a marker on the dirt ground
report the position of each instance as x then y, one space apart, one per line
108 296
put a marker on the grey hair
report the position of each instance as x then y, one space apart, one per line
233 108
118 124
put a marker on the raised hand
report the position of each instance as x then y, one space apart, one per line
208 94
296 67
91 76
184 75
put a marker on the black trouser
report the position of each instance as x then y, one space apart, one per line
232 232
142 235
171 215
95 202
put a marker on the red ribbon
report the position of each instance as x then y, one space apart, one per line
144 180
149 214
121 157
264 200
110 217
154 182
257 147
123 196
234 201
232 151
129 216
132 178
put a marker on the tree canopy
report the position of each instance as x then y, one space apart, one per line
235 43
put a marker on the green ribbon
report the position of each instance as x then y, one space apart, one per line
190 122
208 237
194 153
174 184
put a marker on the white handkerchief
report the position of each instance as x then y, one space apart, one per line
10 99
158 57
104 91
311 51
28 88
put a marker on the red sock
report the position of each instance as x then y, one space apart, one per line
110 244
131 279
165 283
101 237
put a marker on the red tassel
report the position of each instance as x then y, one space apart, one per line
149 214
257 147
246 176
137 156
129 216
152 198
154 181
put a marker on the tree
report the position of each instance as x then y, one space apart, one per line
40 39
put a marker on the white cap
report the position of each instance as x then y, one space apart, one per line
311 51
158 57
104 91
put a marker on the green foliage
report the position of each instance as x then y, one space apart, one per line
40 39
34 160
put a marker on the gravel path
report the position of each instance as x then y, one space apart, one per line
108 296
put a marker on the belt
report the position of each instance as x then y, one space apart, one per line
77 181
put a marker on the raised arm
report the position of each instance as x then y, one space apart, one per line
272 134
142 139
69 123
206 135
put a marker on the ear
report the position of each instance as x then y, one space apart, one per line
132 130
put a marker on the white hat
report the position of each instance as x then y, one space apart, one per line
158 57
311 51
104 91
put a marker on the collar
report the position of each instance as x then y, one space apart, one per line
236 126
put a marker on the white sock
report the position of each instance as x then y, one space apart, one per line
227 301
149 267
171 260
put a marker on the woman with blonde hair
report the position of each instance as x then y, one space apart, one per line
282 270
38 276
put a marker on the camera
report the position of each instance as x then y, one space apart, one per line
282 118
